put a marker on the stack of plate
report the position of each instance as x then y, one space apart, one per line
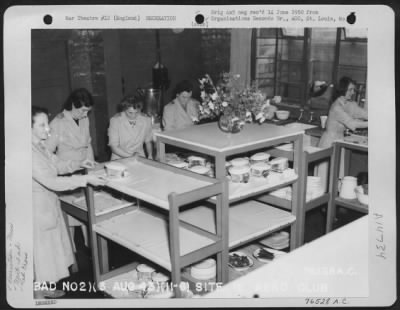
285 147
204 270
277 241
314 187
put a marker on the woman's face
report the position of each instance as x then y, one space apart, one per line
131 113
351 90
184 97
40 127
80 113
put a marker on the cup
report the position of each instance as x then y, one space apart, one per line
323 119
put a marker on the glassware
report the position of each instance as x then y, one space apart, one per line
311 117
300 118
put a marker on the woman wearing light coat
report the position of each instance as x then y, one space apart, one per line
52 251
70 136
183 111
130 130
344 113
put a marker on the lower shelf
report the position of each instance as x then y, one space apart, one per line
247 221
145 233
353 204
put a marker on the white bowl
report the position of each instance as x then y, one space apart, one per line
282 114
260 169
240 161
204 270
240 174
200 169
260 157
114 169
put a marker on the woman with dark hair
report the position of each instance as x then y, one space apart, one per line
52 248
183 111
129 130
70 136
344 113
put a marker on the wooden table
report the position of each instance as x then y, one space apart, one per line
335 265
163 239
208 139
354 204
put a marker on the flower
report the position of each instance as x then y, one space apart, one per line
233 99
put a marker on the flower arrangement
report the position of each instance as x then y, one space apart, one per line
232 100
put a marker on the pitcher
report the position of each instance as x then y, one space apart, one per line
347 187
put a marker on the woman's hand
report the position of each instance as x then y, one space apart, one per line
87 163
96 180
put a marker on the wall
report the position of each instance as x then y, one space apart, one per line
113 63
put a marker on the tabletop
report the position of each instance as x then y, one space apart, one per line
152 184
334 265
209 136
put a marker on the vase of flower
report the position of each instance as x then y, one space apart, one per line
230 124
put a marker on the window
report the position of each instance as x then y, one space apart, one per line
286 61
279 63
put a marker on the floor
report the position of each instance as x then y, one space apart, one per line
79 282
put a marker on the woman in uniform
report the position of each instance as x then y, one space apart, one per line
344 113
70 136
129 130
52 251
183 111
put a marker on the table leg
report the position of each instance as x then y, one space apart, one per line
103 254
74 267
333 183
160 151
222 221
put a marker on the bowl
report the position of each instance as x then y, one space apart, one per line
144 272
116 170
282 114
200 169
260 157
204 270
260 169
240 174
240 162
196 161
362 198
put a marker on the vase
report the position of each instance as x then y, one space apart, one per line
229 124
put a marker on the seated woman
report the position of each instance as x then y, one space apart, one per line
344 113
129 130
52 248
183 111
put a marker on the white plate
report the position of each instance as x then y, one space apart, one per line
276 253
278 246
241 268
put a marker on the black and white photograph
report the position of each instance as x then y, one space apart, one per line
206 156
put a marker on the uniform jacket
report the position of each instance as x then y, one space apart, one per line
176 117
68 140
129 138
52 251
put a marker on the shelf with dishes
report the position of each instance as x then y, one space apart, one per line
156 233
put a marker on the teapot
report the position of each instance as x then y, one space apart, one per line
347 187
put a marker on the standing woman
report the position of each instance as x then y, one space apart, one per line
52 251
129 130
70 136
183 111
344 113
